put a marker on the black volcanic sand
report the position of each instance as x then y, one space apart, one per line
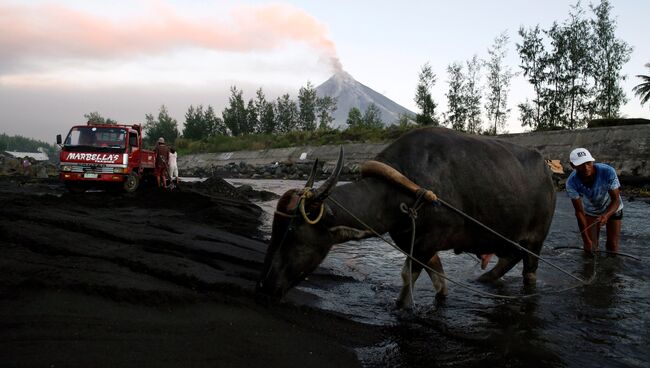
151 279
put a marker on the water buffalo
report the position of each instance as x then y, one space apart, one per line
505 186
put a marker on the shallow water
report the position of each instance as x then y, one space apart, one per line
603 324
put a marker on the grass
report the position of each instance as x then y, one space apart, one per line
255 142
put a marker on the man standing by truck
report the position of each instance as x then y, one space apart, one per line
162 162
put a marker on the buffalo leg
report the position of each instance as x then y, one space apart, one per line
504 265
439 283
530 268
409 276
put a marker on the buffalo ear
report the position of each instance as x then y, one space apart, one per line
344 233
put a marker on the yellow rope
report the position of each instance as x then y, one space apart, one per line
306 194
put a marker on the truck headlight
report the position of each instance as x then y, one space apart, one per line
118 170
66 168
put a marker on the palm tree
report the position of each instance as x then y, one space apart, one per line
643 89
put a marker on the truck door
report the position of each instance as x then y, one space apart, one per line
133 142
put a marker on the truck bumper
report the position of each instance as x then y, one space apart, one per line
114 178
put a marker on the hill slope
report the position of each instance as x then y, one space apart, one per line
350 93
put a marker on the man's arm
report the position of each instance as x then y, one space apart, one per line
613 206
581 216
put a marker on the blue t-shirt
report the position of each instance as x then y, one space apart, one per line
595 199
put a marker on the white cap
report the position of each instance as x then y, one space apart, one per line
579 156
161 140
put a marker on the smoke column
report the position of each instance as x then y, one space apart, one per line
46 30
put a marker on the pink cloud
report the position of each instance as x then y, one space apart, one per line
61 32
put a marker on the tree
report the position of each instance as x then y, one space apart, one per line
198 125
234 116
265 113
325 107
217 125
456 110
252 120
404 120
472 96
498 83
307 104
527 115
372 117
286 114
554 94
165 127
642 90
533 64
95 118
355 119
576 67
609 56
424 99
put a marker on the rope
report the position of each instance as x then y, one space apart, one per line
413 214
602 251
457 283
508 240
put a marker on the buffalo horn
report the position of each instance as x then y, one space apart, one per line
312 175
324 190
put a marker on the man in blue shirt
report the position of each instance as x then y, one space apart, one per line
595 194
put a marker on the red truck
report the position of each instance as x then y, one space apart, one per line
104 156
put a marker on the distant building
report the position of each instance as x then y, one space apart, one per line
36 156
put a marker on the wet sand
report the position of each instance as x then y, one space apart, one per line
155 278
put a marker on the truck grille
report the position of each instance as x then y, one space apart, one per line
93 169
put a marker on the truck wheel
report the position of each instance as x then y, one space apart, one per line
131 183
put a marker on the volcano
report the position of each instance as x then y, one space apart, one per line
350 93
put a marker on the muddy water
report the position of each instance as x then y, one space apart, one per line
604 324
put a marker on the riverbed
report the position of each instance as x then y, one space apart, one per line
602 324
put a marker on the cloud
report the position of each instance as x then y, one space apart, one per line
58 33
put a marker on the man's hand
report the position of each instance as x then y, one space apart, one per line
602 219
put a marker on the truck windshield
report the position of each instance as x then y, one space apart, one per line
96 138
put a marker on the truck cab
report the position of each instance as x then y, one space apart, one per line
104 156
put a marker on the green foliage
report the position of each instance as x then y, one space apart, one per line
165 127
325 107
265 113
307 104
498 83
609 54
355 119
22 144
532 55
424 98
642 90
286 114
252 120
576 77
235 116
472 95
457 111
360 134
372 117
95 118
199 124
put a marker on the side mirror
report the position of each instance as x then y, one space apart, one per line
58 139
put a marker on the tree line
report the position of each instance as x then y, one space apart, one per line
574 67
259 116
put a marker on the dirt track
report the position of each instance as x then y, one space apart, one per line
148 279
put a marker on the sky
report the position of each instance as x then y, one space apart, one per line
124 59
